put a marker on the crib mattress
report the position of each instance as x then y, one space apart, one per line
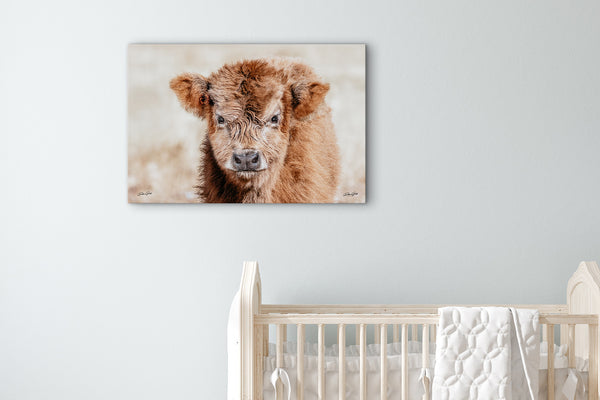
394 360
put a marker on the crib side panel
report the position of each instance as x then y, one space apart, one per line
583 297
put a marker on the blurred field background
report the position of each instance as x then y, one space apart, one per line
164 140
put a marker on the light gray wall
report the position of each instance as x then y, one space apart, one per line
483 171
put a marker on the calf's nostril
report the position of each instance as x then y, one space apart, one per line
237 159
255 159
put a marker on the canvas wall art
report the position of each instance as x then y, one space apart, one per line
246 123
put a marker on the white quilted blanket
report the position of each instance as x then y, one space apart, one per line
487 353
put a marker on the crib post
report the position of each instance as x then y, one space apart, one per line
250 341
583 297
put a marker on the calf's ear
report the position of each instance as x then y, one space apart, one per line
307 96
192 92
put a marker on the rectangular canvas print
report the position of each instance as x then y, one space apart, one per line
246 123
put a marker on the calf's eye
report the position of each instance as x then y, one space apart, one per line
275 119
220 120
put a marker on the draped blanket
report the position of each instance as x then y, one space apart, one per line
487 353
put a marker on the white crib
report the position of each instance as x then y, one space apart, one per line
578 322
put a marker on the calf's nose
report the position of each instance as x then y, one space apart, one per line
246 160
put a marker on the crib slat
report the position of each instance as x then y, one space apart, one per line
383 361
571 346
425 345
266 340
300 362
279 357
342 361
593 362
425 362
321 367
279 347
357 335
433 332
376 333
549 335
396 333
258 359
404 381
363 362
414 332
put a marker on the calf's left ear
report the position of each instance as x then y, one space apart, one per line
192 92
306 97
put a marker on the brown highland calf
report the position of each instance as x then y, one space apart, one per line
270 135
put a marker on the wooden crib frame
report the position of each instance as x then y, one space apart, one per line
578 320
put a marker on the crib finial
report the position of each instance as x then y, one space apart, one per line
583 290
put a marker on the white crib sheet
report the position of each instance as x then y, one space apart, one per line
415 387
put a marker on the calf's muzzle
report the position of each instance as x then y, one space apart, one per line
246 160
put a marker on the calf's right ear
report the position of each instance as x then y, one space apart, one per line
192 92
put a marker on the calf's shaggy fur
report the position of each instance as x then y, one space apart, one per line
270 135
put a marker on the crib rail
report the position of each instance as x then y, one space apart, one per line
401 324
413 319
395 308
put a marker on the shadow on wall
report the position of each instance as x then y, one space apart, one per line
164 140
